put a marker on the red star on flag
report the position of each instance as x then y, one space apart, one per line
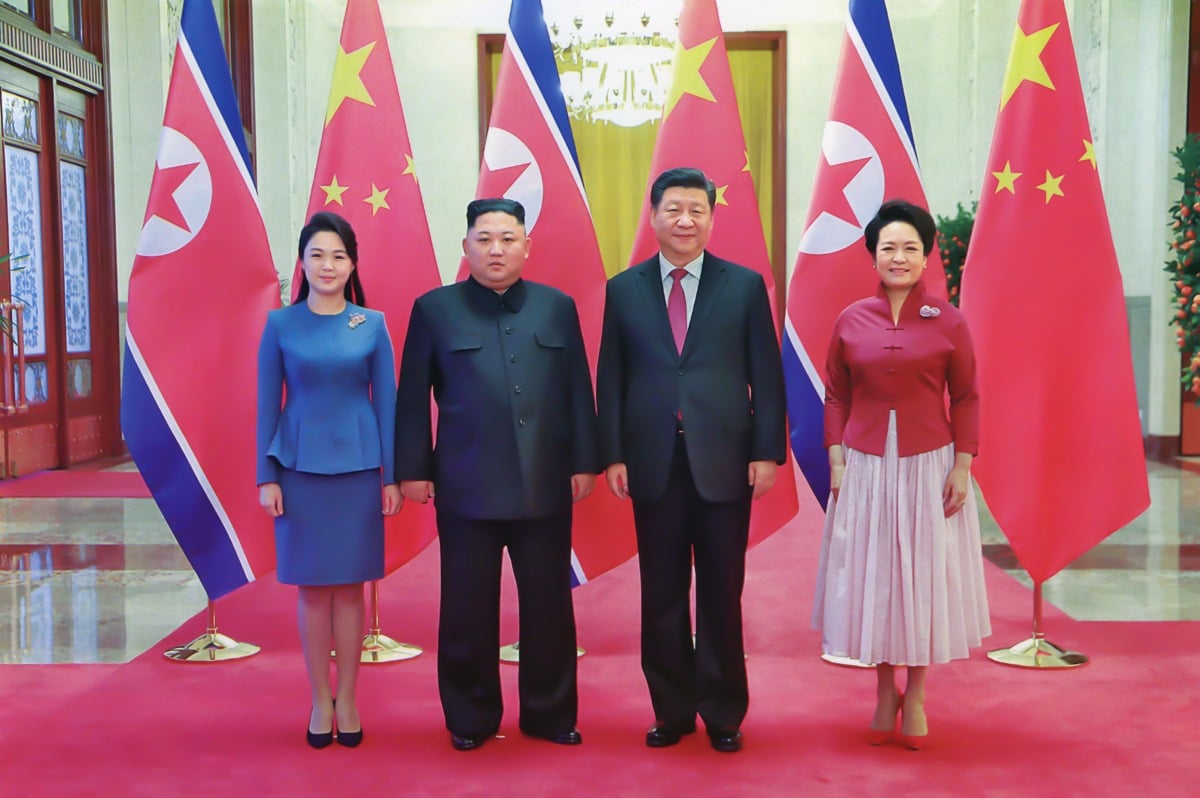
170 179
499 181
842 174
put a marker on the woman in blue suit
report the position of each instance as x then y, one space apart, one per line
321 456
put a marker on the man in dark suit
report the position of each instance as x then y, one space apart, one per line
516 445
691 407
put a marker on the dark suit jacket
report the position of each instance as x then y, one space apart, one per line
727 382
516 417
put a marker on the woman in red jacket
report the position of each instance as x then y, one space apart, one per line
900 580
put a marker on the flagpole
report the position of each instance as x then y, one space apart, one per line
1037 651
212 646
378 647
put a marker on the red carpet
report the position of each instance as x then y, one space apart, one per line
1123 725
76 484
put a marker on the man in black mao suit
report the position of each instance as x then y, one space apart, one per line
691 406
516 445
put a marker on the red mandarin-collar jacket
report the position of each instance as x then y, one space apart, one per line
875 366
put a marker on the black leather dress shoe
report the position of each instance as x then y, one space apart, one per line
464 743
727 742
664 736
572 737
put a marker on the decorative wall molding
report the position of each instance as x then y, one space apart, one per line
38 49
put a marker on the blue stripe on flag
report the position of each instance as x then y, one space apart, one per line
806 415
180 497
198 27
528 27
870 18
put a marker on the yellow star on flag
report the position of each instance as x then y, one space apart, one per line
721 195
1089 153
746 168
1025 61
687 79
347 79
378 199
334 192
1006 179
410 169
1052 186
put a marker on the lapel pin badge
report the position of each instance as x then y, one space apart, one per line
930 312
359 318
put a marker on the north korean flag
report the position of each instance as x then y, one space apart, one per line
867 156
201 287
529 155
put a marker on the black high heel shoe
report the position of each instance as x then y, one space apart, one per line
348 739
320 740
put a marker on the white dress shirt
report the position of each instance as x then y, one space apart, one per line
690 282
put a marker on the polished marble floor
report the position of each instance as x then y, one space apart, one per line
102 580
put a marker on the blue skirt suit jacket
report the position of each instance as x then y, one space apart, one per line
326 431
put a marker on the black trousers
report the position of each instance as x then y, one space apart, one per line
469 624
709 678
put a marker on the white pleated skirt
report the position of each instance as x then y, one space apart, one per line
897 581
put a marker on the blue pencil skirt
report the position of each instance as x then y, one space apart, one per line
331 530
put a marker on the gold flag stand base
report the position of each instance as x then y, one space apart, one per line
1037 651
378 647
512 652
212 646
381 648
845 662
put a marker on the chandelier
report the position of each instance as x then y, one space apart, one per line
615 69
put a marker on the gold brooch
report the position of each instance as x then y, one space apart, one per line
356 320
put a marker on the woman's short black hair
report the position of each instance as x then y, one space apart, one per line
329 222
898 210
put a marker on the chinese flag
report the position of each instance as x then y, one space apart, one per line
365 173
529 155
1061 461
701 128
867 156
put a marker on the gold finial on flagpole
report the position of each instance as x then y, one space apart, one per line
212 646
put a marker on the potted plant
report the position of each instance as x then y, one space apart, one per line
1183 267
954 234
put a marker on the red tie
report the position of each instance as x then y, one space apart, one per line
677 309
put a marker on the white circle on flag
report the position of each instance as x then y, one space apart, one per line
863 193
192 197
503 150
